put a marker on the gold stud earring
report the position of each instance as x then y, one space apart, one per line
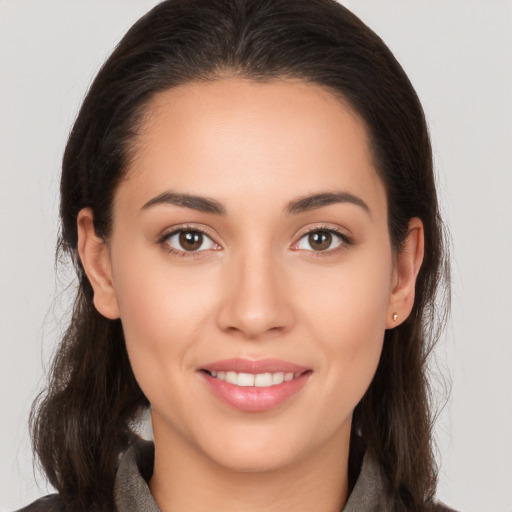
395 317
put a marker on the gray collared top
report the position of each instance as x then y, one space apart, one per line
132 492
136 466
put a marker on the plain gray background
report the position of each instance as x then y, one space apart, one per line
458 54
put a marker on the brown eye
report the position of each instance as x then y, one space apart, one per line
189 240
320 240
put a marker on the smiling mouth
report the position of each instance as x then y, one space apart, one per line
254 385
258 380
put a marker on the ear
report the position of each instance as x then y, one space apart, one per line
407 266
95 257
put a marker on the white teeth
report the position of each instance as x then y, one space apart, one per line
259 380
278 378
245 379
263 380
231 377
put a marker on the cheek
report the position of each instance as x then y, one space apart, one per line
162 313
347 315
351 298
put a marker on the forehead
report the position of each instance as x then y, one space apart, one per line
234 136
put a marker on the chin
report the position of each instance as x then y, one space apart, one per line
250 459
259 450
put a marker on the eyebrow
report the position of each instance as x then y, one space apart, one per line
300 205
199 203
315 201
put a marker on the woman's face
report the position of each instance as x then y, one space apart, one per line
249 247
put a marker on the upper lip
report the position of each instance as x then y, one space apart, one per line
240 365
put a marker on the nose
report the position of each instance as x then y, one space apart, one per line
256 303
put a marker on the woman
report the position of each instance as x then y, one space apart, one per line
248 197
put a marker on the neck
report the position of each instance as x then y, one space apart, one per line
184 480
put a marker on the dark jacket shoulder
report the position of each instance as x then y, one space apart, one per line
50 503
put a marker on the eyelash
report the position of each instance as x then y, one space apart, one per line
344 244
163 241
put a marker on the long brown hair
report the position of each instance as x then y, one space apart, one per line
84 418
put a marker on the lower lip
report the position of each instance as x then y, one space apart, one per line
254 399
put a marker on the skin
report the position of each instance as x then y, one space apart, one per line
257 291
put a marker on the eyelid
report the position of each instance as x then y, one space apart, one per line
336 231
163 238
173 230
